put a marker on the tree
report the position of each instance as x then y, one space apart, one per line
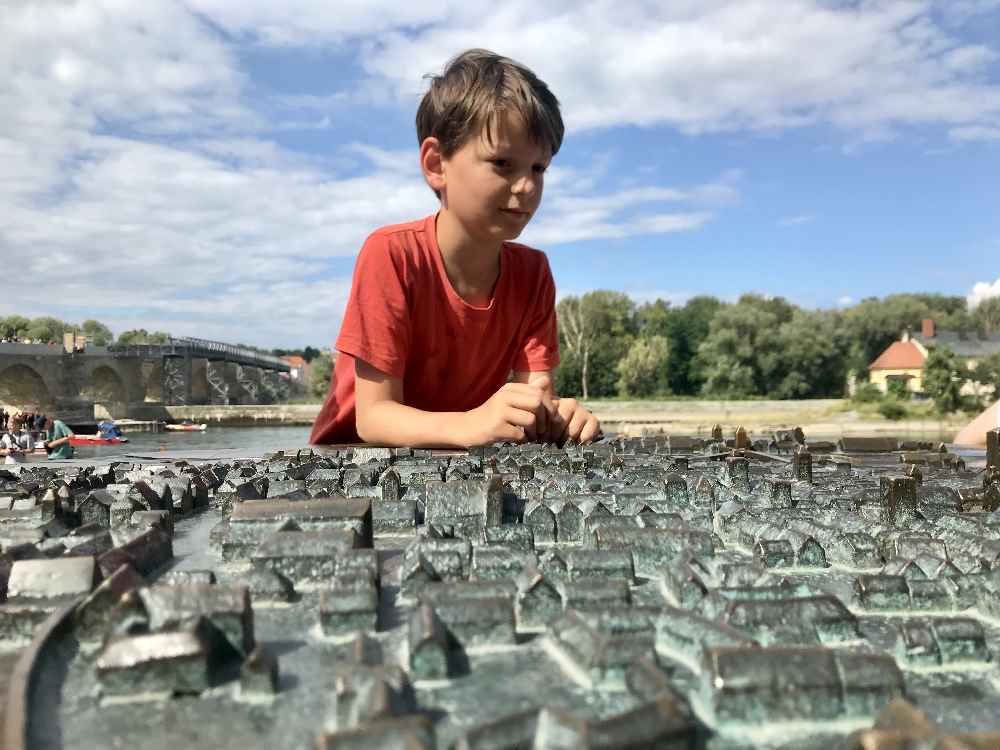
987 372
684 328
320 374
100 333
642 371
308 354
595 331
987 316
741 352
943 379
812 350
142 336
47 329
13 325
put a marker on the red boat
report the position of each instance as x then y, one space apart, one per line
96 440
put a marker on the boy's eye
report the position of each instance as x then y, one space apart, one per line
540 168
501 163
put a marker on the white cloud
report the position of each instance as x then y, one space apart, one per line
712 65
570 215
845 301
792 221
720 65
142 187
983 290
144 182
975 133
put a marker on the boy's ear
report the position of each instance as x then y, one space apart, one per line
432 163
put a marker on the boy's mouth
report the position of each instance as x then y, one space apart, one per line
515 212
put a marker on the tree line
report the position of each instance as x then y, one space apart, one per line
46 328
756 347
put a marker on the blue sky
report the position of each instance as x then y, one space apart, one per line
211 167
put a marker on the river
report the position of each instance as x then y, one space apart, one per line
252 440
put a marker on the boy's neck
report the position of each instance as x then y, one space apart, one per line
473 267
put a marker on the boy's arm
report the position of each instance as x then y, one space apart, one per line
382 417
566 420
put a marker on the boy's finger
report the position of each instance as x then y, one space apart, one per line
542 423
520 418
511 433
564 412
556 427
527 400
576 425
543 383
590 430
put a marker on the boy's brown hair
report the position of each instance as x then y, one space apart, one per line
476 88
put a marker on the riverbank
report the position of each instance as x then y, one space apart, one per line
826 418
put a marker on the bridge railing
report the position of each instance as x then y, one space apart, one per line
202 348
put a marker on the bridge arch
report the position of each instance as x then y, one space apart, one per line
23 387
109 392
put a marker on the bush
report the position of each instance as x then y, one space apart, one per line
896 387
867 393
971 404
892 409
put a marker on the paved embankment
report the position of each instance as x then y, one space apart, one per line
818 418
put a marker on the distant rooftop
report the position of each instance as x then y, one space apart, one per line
901 355
962 344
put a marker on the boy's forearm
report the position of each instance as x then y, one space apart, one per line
393 424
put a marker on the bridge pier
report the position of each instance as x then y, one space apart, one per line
269 386
176 385
74 411
201 391
247 384
221 379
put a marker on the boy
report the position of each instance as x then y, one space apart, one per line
445 310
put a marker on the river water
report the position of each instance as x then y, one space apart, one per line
252 440
249 441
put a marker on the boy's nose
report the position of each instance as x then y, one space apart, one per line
525 184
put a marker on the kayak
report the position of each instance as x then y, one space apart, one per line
96 440
186 427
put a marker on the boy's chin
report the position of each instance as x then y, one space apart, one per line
508 232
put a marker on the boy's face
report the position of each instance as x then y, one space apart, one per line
493 189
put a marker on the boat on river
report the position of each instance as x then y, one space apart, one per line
186 427
79 439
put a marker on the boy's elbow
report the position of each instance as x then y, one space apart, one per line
362 425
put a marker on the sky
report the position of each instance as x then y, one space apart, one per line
211 167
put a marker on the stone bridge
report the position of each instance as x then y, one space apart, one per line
132 381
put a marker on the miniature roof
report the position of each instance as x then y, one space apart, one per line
901 355
295 360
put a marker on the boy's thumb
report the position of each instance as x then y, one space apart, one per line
542 383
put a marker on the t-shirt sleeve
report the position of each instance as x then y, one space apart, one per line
540 349
376 325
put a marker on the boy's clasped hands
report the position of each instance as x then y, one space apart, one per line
527 412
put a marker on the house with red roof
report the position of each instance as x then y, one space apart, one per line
903 360
300 368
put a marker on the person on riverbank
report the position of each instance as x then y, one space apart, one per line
58 445
449 336
10 448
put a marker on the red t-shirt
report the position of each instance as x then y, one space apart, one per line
404 318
